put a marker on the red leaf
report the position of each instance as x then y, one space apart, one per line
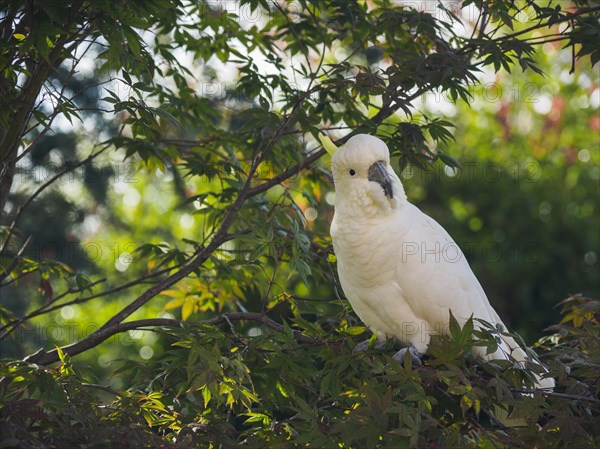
46 288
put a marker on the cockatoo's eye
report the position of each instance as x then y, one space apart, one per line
352 172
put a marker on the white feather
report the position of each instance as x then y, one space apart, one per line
398 267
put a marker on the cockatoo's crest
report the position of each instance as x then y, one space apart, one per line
328 144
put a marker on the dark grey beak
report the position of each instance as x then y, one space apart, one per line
379 173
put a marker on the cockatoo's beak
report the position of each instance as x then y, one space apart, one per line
378 173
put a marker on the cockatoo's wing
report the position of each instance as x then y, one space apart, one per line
436 276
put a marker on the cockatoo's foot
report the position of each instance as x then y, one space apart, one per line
414 355
363 346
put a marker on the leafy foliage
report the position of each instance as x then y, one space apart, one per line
219 386
183 133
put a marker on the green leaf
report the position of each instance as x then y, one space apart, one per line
454 327
355 330
206 395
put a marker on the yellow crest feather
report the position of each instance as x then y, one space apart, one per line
328 144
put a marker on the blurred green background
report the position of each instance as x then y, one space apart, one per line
524 208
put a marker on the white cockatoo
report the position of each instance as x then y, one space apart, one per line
400 270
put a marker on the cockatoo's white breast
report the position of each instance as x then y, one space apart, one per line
367 268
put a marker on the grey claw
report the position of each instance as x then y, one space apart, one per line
363 346
412 352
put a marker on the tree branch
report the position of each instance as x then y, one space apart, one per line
568 17
197 260
56 112
43 357
43 187
10 137
13 263
471 47
286 174
9 327
553 394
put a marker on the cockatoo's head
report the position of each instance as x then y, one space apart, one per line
363 176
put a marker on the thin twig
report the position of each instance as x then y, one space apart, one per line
47 308
554 394
43 187
56 112
43 357
101 387
14 261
